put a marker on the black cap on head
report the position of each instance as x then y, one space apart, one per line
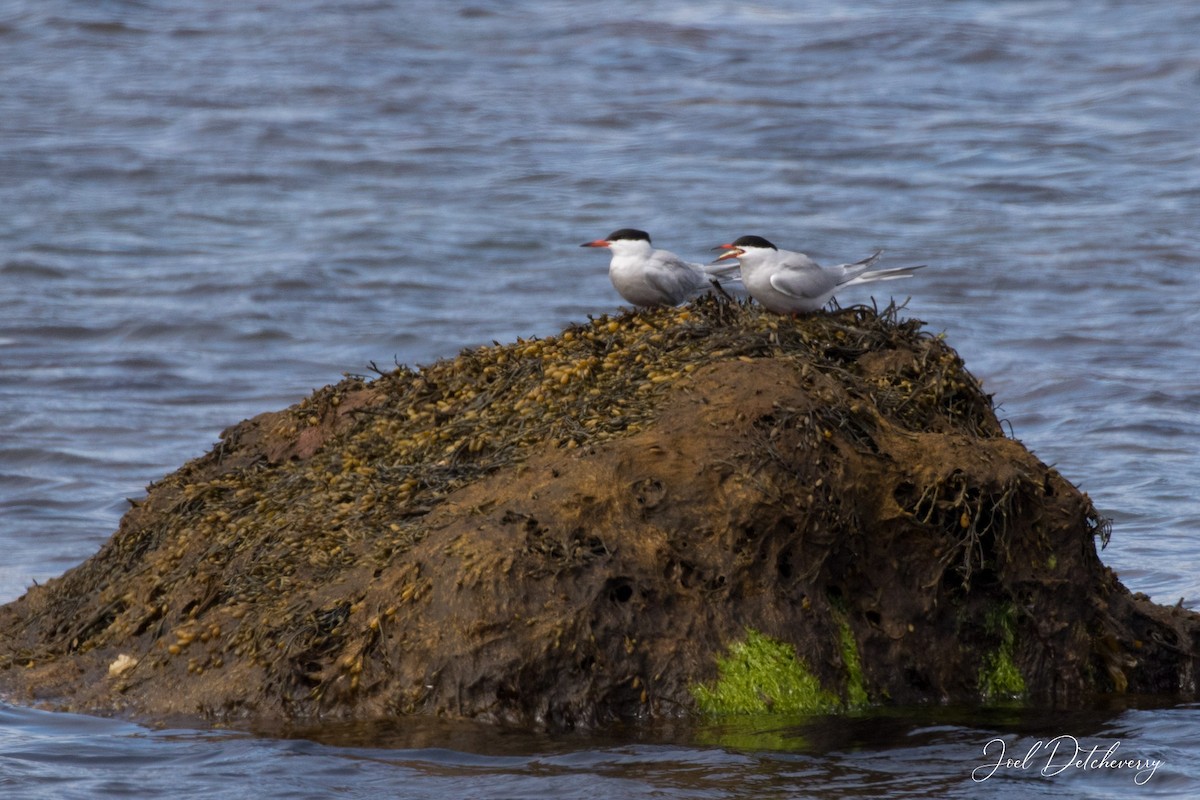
628 233
753 241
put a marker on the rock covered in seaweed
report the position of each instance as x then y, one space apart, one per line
570 530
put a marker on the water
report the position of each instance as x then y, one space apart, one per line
922 754
209 209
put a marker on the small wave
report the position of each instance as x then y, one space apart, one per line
32 269
109 28
1024 192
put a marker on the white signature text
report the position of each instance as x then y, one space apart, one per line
1054 756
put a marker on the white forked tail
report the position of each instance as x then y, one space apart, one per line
852 273
884 274
861 272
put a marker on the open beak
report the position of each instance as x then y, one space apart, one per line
597 243
730 252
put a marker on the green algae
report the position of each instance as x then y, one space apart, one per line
999 677
856 692
763 675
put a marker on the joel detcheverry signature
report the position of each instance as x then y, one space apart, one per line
1050 757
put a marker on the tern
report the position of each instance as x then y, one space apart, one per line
792 283
645 276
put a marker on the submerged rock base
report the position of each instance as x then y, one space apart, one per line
579 529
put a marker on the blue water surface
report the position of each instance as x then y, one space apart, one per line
209 209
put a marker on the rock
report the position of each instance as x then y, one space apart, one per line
621 521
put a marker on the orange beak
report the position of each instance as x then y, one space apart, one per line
597 243
730 252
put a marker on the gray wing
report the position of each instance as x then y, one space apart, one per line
674 277
722 270
803 278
